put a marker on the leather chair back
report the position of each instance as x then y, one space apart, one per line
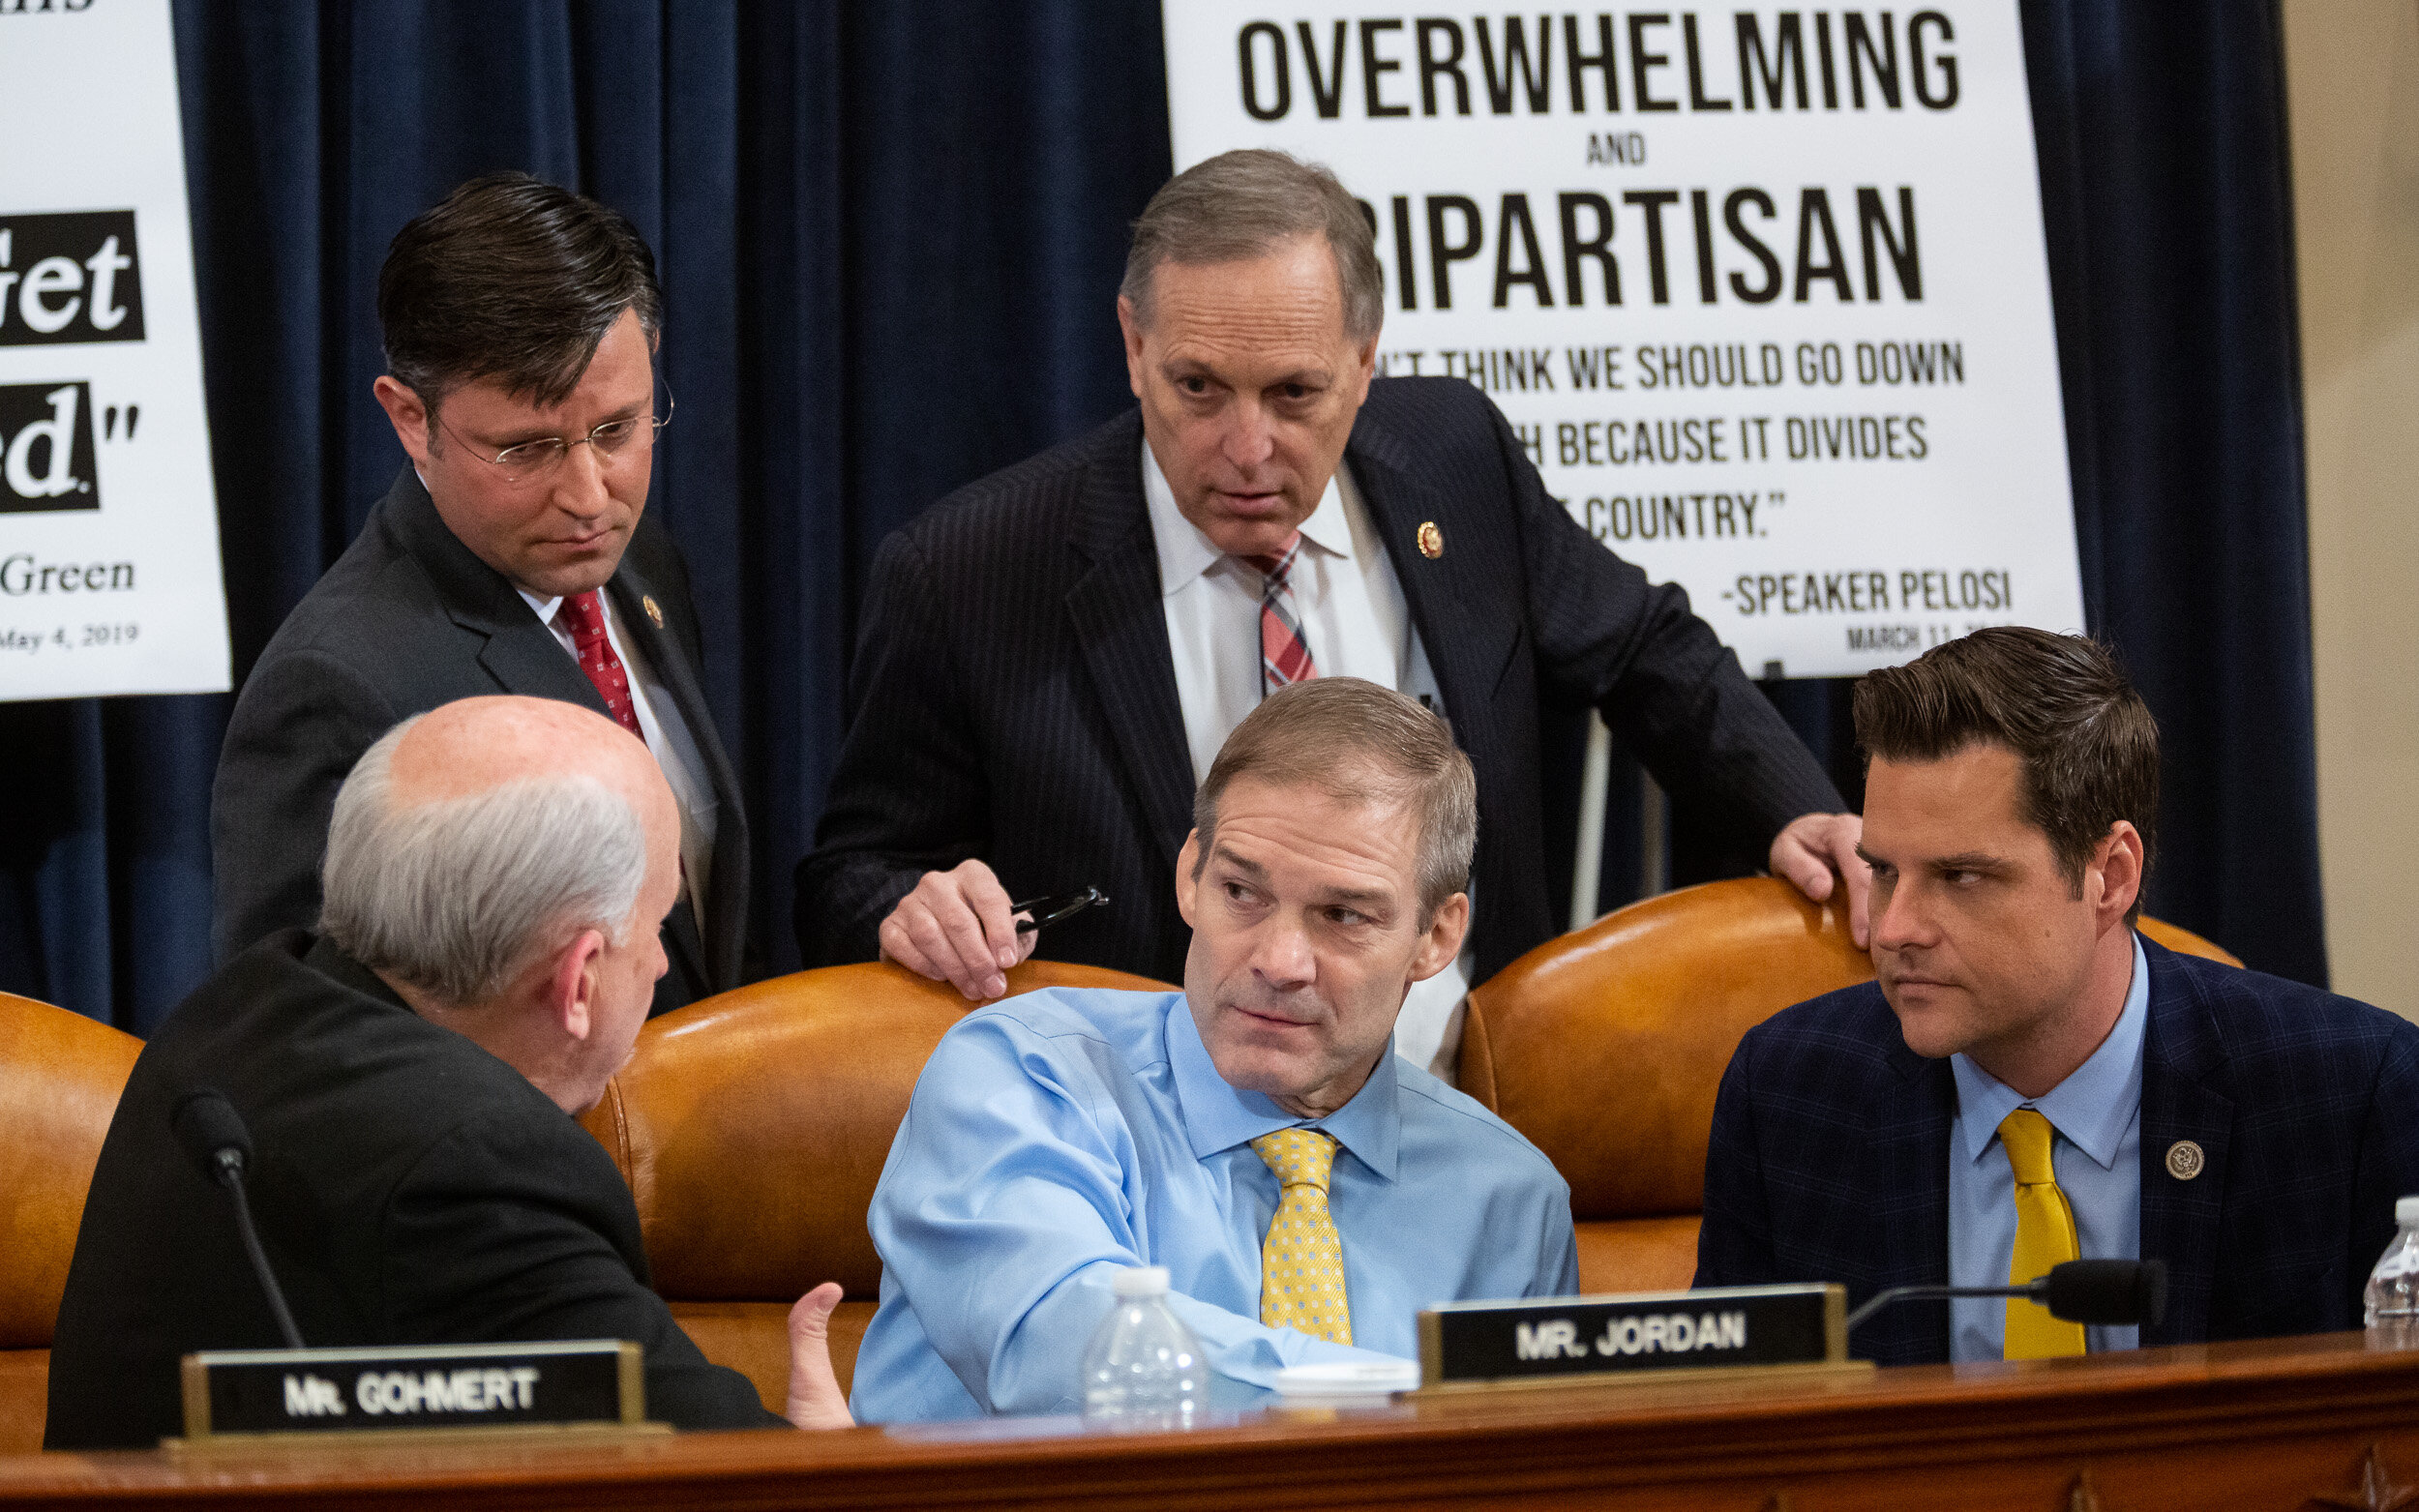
1605 1048
60 1077
752 1127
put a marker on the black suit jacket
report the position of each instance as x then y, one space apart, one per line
1014 697
1831 1146
407 619
409 1188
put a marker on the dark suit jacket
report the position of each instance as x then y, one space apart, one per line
1831 1147
409 1188
408 619
1014 697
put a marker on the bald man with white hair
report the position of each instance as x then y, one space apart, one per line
496 875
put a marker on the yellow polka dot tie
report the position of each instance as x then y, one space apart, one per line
1301 1261
2045 1236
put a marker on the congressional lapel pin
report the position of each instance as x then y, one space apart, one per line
1431 540
2185 1160
654 611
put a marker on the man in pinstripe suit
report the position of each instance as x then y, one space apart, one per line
1052 656
2252 1133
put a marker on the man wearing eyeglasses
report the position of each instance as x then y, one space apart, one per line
512 555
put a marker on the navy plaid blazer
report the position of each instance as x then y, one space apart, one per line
1830 1156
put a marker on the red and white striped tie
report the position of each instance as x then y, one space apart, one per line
1284 656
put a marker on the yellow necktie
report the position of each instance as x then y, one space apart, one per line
2045 1236
1301 1261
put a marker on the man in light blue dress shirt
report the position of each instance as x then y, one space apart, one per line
1057 1138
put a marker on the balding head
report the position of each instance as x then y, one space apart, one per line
474 746
510 854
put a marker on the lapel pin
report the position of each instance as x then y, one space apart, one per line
2185 1160
1432 541
654 611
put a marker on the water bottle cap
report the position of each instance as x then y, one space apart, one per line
1140 1280
2406 1211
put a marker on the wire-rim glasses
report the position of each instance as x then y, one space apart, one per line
527 461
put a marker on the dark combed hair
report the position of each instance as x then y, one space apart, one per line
2061 703
514 279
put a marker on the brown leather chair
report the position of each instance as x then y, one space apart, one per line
60 1077
752 1127
1605 1048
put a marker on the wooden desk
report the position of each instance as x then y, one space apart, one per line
2322 1422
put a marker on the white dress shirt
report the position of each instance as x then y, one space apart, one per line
1356 624
668 738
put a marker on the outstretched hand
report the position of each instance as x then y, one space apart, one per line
816 1400
1817 851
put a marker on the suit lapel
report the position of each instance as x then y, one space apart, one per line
1465 650
519 652
2180 1216
1910 1216
1470 625
631 594
1122 627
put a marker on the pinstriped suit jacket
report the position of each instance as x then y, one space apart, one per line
1831 1146
1013 696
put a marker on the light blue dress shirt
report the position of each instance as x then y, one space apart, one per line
2097 1114
1059 1137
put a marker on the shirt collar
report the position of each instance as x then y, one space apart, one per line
1218 1117
1185 553
1327 528
2092 1107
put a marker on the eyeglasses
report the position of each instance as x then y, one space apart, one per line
1047 911
532 460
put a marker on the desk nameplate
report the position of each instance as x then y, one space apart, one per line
1635 1335
413 1389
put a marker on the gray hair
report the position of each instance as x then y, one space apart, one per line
1358 743
1239 205
458 895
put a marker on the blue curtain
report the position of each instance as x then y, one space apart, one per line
2167 176
889 237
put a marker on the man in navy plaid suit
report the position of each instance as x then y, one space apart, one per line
2250 1132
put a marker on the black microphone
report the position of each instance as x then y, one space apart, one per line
2107 1294
214 1135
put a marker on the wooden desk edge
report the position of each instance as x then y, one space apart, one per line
1589 1435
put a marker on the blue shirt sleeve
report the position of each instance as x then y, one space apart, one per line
1558 1267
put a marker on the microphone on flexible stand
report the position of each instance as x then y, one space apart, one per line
214 1135
2108 1294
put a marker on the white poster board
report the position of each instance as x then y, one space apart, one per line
108 522
1763 291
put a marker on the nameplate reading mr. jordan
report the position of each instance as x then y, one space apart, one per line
1646 1331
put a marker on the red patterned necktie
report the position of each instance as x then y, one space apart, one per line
584 614
1284 656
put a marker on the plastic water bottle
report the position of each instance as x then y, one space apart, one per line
2393 1295
1143 1366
